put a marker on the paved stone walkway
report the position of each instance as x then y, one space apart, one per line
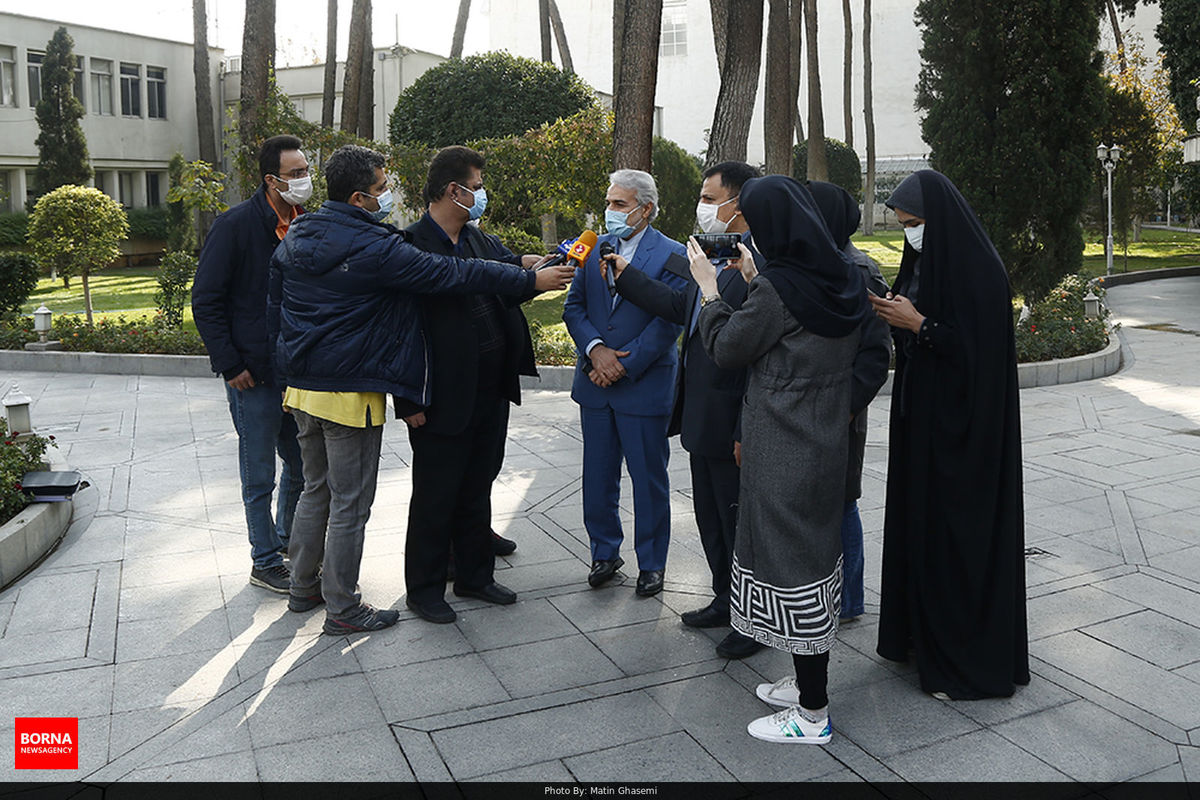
143 626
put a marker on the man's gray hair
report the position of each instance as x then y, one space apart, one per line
642 184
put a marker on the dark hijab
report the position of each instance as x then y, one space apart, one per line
839 210
815 280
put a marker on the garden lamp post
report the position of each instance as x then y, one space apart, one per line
41 322
16 411
1109 156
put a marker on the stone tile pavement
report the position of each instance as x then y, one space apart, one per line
142 623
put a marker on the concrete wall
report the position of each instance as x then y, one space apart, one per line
116 143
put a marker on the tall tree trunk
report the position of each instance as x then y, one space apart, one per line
1117 37
818 164
796 17
739 83
869 118
87 298
560 35
200 73
848 74
720 26
329 88
460 28
777 105
366 87
544 28
258 61
633 105
618 44
352 80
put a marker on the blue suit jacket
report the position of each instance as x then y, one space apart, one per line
648 388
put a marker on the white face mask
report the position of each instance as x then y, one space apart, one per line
915 236
298 191
706 217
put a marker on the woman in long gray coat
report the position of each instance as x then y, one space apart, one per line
797 331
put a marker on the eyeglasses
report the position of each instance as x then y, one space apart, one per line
296 173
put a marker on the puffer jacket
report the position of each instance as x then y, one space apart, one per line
342 304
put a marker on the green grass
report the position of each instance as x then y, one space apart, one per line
130 290
117 291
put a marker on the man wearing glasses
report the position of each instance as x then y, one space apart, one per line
229 302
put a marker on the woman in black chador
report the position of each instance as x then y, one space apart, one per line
953 547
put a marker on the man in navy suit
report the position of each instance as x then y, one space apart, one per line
625 384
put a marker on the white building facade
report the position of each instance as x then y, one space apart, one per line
139 100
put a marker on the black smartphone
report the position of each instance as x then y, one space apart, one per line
719 247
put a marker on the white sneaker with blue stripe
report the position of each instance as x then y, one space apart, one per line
790 726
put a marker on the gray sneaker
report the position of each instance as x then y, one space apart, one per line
276 578
366 618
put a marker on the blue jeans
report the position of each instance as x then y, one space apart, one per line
264 429
852 561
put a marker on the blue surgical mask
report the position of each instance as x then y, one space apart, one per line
386 203
476 211
617 223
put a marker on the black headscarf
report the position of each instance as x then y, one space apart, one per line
815 280
838 208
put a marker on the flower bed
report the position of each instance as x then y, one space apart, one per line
1057 326
18 456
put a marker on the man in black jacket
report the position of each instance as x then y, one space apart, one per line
708 399
229 300
343 303
479 346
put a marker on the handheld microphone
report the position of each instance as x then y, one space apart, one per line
582 247
607 249
563 253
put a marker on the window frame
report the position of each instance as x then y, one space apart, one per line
102 105
134 93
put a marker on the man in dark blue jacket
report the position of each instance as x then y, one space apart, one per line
229 299
343 302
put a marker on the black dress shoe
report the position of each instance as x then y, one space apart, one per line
649 582
438 610
492 593
502 546
603 571
707 617
737 645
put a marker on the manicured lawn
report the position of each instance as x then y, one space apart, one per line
130 290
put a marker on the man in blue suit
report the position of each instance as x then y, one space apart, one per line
625 384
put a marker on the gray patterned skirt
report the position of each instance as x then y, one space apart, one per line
796 619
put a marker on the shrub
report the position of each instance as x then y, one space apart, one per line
147 223
677 175
15 331
515 239
120 335
552 345
485 96
13 227
174 274
1057 327
844 167
18 279
18 456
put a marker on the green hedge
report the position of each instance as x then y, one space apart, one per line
12 229
844 167
121 335
148 223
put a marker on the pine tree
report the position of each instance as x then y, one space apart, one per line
62 148
1012 94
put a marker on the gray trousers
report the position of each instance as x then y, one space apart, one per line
341 465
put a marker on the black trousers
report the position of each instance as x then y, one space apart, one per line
452 502
715 498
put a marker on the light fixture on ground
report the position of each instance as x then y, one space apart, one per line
1091 304
1109 156
16 411
42 327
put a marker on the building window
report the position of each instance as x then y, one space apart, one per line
78 85
153 189
6 200
131 91
8 75
34 62
156 92
98 181
101 86
674 28
125 188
